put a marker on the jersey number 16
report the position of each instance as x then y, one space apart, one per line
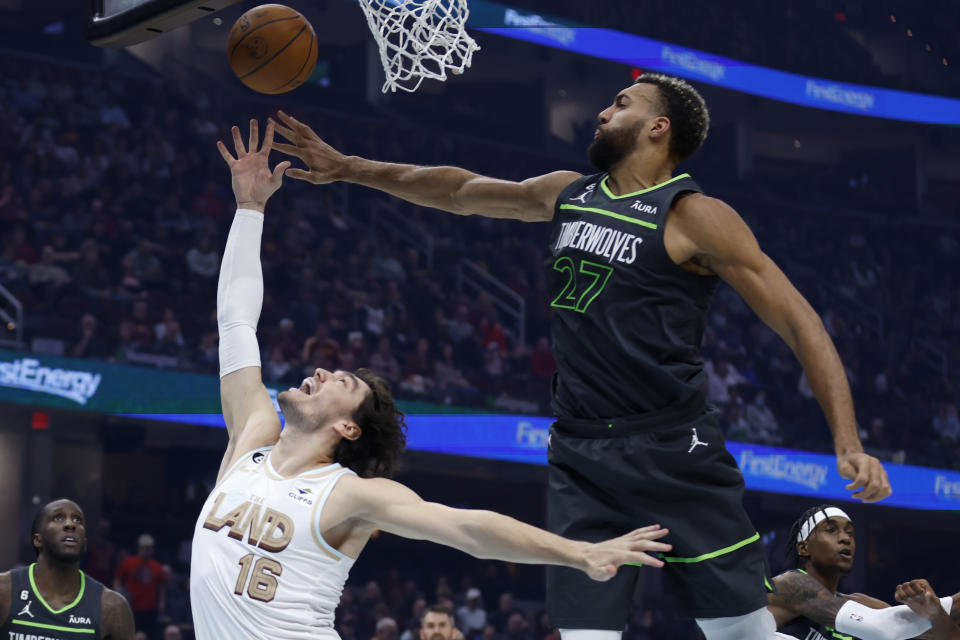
263 584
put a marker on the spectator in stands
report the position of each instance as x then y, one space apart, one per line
101 554
947 425
386 629
505 608
91 344
472 616
144 579
722 375
518 628
203 259
761 423
437 623
542 364
172 632
384 362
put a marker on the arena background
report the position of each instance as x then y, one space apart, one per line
114 205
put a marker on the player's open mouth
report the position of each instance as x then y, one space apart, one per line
308 386
846 553
70 540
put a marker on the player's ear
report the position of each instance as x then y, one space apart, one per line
349 430
802 550
658 126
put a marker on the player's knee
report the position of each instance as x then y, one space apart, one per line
588 634
758 625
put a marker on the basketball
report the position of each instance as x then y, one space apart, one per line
272 48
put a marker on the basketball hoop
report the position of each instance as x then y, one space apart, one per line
419 39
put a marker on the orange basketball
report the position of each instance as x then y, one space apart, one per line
272 48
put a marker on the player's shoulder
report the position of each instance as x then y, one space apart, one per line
116 616
699 205
112 600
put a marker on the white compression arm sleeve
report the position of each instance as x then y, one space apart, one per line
892 623
240 293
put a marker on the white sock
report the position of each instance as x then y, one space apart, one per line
589 634
758 625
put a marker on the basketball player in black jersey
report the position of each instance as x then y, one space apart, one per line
636 255
53 599
806 600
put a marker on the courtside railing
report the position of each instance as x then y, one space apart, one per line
11 315
473 279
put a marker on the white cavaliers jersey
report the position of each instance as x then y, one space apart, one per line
260 567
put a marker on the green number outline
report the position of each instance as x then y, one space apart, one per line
565 299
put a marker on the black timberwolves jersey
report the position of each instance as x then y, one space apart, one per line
627 322
31 618
807 629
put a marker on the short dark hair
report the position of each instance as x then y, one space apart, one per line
791 548
383 432
687 111
439 608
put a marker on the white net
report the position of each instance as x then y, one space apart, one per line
419 39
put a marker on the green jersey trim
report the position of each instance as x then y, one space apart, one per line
36 592
611 214
714 554
52 627
610 194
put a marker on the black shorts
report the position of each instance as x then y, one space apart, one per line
607 479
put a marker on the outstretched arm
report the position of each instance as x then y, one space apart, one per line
448 188
392 507
709 234
251 419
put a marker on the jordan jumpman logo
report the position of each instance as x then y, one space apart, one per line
694 441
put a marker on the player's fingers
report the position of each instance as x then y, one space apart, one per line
288 149
298 174
296 125
651 527
222 148
267 138
878 486
278 172
254 136
860 480
641 558
238 142
286 132
652 534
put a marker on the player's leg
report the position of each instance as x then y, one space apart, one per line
578 507
716 571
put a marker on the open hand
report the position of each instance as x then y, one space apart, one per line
604 558
324 163
253 181
870 482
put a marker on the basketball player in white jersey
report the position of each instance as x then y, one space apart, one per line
292 510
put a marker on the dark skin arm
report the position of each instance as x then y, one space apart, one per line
920 597
5 585
707 236
116 618
799 595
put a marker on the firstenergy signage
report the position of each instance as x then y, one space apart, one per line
30 374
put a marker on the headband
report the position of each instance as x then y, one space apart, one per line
830 512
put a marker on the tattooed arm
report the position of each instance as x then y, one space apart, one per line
116 618
800 595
